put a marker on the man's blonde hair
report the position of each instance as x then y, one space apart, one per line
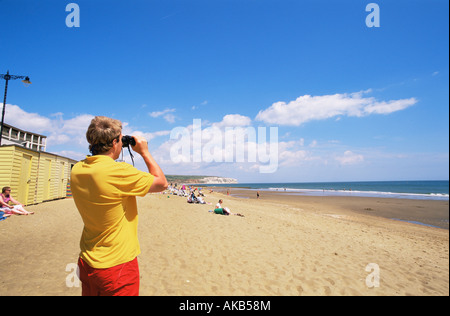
101 133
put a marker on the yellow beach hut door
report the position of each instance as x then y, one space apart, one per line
47 179
62 182
24 182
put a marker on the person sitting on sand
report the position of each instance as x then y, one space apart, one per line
5 198
224 210
192 198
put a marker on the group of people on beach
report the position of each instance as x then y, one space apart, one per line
192 198
189 192
6 208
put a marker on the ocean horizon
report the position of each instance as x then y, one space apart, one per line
427 190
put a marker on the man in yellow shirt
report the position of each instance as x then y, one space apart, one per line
105 193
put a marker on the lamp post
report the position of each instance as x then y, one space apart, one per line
8 77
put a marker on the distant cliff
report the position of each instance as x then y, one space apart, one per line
198 179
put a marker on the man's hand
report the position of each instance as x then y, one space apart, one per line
141 146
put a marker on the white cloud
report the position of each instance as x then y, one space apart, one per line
233 120
57 130
195 107
58 139
292 158
349 158
389 107
76 128
170 118
157 134
32 122
309 108
71 154
160 113
70 133
218 146
126 130
166 114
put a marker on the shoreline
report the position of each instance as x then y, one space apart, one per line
340 193
426 212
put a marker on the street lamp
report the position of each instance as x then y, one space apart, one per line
8 77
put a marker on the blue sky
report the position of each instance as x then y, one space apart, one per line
350 102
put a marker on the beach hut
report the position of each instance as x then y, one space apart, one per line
53 176
19 171
34 176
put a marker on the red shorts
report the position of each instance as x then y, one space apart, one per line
121 280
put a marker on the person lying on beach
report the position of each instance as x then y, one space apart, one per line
201 201
5 198
224 210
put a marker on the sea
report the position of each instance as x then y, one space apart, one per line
425 190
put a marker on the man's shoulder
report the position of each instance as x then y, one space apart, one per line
107 165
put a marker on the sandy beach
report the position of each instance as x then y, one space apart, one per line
285 245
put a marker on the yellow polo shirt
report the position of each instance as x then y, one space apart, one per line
105 193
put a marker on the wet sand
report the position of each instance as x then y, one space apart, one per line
426 212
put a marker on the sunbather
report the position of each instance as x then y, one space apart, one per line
5 198
224 210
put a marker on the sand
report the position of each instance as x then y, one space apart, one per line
284 245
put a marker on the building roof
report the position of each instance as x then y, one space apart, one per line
21 130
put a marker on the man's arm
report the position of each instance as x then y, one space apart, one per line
159 182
